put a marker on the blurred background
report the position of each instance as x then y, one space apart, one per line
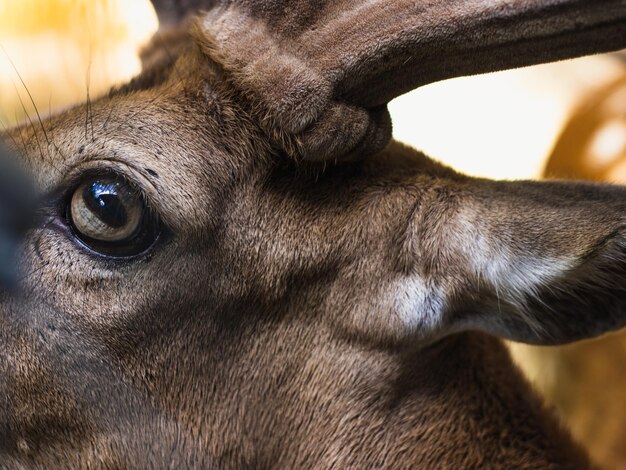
565 120
63 49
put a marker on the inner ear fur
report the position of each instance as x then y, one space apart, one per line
544 262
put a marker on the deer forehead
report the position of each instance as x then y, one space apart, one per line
156 138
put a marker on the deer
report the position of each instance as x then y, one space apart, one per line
230 263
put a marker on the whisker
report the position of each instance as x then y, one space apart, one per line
105 124
13 141
21 136
28 118
35 134
89 108
30 96
32 125
52 136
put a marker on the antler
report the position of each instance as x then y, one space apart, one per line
321 73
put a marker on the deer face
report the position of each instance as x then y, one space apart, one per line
191 292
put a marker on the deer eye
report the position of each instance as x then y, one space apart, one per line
109 216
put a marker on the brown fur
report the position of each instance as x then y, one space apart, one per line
291 315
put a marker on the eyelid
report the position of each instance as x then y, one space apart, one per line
137 178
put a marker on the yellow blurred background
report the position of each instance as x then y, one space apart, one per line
568 119
64 48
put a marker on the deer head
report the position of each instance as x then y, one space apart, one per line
234 266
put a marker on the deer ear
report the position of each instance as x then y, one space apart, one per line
537 262
320 73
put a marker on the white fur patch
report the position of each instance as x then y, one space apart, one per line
514 273
419 304
514 276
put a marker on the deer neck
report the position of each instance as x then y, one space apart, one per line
466 405
460 404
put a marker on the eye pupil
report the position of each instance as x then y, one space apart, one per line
104 201
109 216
